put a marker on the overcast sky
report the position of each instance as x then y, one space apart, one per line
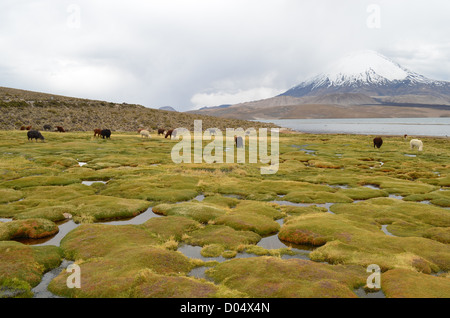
194 53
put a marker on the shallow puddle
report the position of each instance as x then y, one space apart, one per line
199 272
289 203
199 197
394 196
273 242
371 186
302 148
339 186
89 183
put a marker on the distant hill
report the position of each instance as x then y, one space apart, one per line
220 106
363 84
21 107
169 108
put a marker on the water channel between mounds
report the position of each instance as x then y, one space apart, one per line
269 242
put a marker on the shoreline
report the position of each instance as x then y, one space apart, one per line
361 134
421 127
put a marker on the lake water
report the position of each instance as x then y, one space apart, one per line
370 126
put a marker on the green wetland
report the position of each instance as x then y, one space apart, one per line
139 225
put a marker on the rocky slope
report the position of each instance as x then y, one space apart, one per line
21 107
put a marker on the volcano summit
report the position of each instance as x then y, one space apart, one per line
370 73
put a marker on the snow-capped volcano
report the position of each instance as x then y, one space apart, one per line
370 73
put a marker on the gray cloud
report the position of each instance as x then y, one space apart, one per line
192 53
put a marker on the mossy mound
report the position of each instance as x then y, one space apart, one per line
271 277
261 190
30 228
160 188
98 240
363 193
201 212
22 267
98 207
222 201
404 218
33 181
171 226
222 235
129 261
248 221
259 208
9 195
400 187
316 197
439 197
299 210
402 283
136 283
346 241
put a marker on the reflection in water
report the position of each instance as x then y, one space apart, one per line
192 251
68 225
394 196
136 220
199 272
64 228
303 148
199 197
371 186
